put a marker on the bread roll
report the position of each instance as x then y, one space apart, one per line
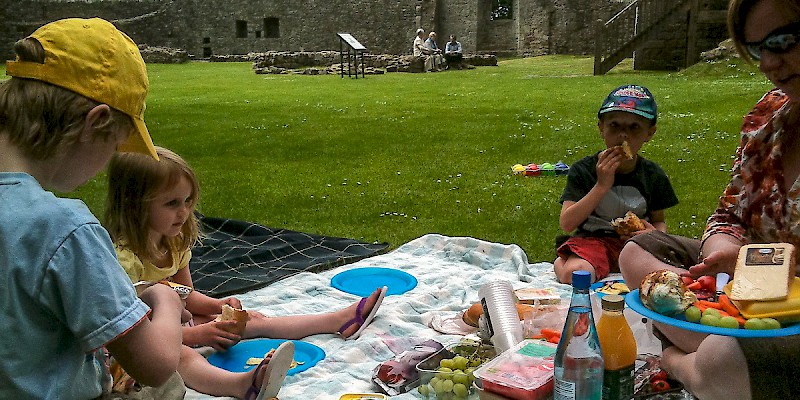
627 150
472 314
234 314
628 224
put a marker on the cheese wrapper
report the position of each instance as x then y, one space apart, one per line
763 272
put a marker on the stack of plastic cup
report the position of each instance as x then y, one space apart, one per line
500 311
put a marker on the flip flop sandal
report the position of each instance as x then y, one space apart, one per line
275 372
358 319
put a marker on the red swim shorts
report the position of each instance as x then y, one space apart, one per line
601 252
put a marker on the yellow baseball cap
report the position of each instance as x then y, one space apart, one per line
93 58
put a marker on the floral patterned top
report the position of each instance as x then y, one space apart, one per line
756 207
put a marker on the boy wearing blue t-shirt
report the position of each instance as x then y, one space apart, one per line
76 95
603 187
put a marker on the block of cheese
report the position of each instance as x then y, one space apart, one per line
763 272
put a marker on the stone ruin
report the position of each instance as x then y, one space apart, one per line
330 62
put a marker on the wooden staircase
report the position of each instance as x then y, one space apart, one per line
617 38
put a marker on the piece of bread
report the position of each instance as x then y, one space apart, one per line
234 314
627 150
664 292
628 224
472 314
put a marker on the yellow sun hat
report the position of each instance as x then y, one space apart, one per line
93 58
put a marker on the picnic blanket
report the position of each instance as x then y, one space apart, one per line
449 270
238 256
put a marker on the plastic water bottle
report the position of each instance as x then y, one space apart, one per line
500 312
579 360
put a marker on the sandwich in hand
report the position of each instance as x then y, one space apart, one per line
627 150
234 314
628 224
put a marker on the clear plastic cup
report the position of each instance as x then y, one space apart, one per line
500 311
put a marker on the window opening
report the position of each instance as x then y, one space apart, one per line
272 28
501 9
241 29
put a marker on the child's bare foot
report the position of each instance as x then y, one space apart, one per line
363 313
268 376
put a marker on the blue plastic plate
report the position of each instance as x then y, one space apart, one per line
600 284
306 354
635 303
363 281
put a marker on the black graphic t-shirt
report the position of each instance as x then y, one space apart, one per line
644 190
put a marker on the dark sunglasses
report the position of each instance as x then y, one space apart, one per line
779 41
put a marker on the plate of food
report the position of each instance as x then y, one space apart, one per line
363 281
247 354
610 286
635 303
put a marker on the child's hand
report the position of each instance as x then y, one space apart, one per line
647 227
161 296
608 162
231 301
215 334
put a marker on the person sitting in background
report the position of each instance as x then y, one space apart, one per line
435 52
453 53
420 50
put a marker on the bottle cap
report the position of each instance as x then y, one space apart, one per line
613 302
581 279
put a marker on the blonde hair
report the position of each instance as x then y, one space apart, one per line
737 16
40 118
134 181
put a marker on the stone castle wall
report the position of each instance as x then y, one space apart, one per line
205 28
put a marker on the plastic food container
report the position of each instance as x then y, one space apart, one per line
485 394
524 372
428 368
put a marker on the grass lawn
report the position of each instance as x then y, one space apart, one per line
393 157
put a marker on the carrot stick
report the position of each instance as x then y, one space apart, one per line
728 305
547 332
712 304
702 307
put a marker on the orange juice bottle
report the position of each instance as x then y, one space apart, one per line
619 349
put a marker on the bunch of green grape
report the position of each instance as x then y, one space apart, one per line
453 378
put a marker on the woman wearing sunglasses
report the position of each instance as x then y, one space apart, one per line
760 205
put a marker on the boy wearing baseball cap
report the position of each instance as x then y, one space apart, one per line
606 185
76 95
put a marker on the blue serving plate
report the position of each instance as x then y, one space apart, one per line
363 281
635 303
235 358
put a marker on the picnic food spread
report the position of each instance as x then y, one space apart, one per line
628 224
674 298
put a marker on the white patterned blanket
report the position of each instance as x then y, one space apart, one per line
449 270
